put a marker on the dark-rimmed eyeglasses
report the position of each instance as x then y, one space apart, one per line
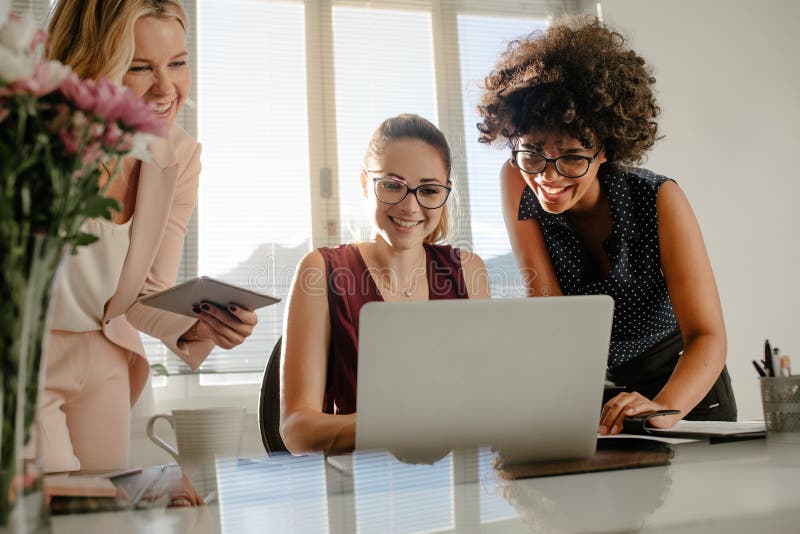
568 165
430 196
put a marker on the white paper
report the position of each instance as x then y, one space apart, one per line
722 428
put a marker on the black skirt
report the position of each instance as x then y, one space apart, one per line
648 373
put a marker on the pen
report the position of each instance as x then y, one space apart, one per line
768 358
759 369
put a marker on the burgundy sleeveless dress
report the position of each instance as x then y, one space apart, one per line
350 286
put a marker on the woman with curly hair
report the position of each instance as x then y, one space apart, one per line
576 107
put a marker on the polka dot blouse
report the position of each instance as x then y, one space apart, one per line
643 314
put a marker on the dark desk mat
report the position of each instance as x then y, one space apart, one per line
611 454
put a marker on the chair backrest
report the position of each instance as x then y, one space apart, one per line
269 405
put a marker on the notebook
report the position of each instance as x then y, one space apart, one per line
75 486
714 431
524 376
72 494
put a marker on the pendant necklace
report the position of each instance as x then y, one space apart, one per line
407 292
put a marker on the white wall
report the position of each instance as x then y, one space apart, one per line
728 81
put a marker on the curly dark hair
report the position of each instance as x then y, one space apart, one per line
576 78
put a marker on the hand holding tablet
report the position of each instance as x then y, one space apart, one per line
182 298
224 311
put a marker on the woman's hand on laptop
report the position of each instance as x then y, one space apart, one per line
629 404
226 327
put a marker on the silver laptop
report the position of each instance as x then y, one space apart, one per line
525 376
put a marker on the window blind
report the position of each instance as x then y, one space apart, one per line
253 217
384 66
481 40
285 97
288 95
39 9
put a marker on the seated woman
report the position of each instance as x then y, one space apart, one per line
406 178
576 108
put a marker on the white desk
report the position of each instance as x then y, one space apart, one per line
750 486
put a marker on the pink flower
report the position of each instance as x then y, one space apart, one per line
69 141
139 116
39 38
96 129
79 119
108 100
81 124
118 103
113 134
127 142
46 77
92 154
111 103
79 91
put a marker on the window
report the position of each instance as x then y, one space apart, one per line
481 39
286 96
253 217
37 8
383 67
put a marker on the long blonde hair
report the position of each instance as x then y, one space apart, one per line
96 38
410 126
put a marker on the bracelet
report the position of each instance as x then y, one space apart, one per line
193 331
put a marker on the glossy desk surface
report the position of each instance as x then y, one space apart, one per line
748 486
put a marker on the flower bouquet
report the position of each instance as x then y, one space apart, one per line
58 135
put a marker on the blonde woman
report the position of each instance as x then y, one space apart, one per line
96 366
406 179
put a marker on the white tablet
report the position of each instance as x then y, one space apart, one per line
182 297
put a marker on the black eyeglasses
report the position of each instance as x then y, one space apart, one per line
430 196
568 166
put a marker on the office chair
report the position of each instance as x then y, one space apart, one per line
269 404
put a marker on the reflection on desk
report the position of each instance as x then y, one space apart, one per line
733 487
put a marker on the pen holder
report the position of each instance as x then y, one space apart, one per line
780 397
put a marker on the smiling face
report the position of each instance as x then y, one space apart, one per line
405 225
159 72
557 193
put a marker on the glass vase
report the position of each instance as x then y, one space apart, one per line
28 267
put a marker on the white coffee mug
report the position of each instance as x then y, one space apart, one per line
202 434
